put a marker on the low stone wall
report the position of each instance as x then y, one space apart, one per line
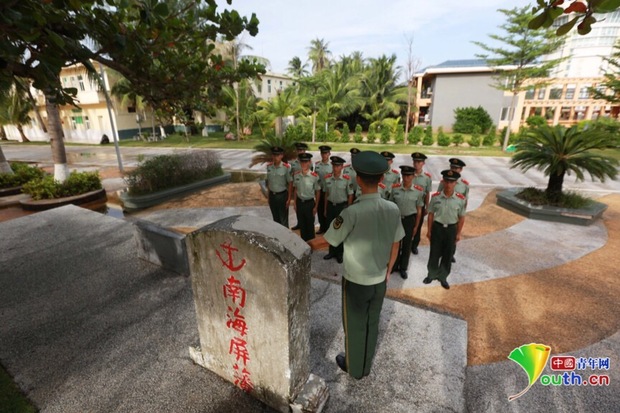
161 246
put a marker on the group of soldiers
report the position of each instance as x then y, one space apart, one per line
324 189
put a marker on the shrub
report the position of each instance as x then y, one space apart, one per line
400 134
372 134
416 134
428 136
76 184
385 134
457 139
358 138
568 199
474 141
490 138
345 133
321 135
22 173
468 118
536 121
168 171
332 135
442 138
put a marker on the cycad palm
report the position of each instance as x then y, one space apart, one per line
558 151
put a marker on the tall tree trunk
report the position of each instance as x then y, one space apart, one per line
409 91
5 168
313 126
3 134
20 128
61 169
35 108
511 115
554 187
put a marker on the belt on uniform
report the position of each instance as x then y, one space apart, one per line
277 193
337 204
443 225
408 216
304 200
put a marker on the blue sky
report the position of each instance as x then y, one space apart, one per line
441 29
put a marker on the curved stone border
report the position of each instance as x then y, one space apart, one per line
135 202
44 204
583 216
11 191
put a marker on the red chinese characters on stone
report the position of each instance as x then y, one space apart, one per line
242 379
236 321
238 347
228 263
234 291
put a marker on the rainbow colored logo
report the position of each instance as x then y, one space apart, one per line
532 358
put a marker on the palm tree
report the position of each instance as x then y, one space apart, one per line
15 108
124 92
297 68
338 96
319 54
558 151
244 107
286 103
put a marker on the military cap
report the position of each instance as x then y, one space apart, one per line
304 156
325 148
275 150
407 170
370 163
450 175
387 155
456 162
418 156
354 151
337 160
301 145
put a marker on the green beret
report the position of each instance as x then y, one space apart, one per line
370 163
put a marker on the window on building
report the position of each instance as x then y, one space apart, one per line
555 92
565 113
584 92
529 94
570 91
81 83
541 93
86 122
269 86
504 114
549 112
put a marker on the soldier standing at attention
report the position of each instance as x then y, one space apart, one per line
446 216
338 194
295 166
306 190
348 170
424 180
371 230
392 176
410 200
462 186
323 167
279 184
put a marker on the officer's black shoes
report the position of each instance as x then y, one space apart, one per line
403 273
414 250
453 259
426 280
445 285
329 257
295 227
395 269
341 362
339 259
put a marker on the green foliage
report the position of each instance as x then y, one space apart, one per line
428 136
358 137
385 134
490 138
458 139
321 135
474 141
169 171
344 138
22 173
442 138
568 199
605 124
416 134
372 134
400 134
536 121
76 184
466 119
286 141
581 12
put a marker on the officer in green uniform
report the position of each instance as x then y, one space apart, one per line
424 180
392 176
306 190
446 216
410 200
278 184
462 186
295 166
371 230
338 194
348 170
323 167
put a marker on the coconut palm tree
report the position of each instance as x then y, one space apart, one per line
558 151
338 96
297 68
319 54
15 108
244 107
286 103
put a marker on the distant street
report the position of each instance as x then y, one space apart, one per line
480 171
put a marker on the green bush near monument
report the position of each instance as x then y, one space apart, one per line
77 183
22 173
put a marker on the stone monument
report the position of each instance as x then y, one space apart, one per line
251 286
